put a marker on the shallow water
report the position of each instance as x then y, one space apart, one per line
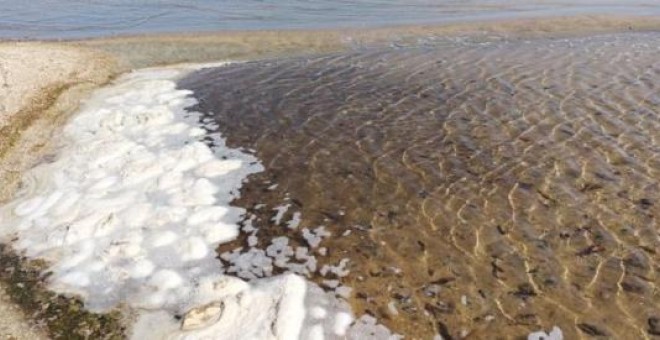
54 19
478 189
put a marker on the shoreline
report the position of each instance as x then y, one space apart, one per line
32 125
148 50
61 85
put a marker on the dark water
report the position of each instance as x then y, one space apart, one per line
490 189
53 19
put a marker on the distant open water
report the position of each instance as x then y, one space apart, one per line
63 19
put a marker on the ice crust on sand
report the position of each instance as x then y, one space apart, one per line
132 209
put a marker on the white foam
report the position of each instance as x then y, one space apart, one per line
555 334
295 220
131 213
133 192
281 210
314 237
339 270
342 321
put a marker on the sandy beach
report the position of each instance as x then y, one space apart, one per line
43 83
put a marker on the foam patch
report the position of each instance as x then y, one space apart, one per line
132 210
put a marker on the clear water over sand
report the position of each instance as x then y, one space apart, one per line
481 189
39 19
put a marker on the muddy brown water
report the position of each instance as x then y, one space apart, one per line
490 189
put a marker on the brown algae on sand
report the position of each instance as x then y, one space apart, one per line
483 189
62 317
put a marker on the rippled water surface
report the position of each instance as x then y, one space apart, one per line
485 189
85 18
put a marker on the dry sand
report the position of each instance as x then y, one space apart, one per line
42 83
29 71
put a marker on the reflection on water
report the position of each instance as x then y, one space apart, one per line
489 189
77 18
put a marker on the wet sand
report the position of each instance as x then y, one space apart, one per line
479 189
152 50
75 67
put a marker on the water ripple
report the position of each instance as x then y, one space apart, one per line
490 189
41 19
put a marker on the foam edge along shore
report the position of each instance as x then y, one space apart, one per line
130 213
40 222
